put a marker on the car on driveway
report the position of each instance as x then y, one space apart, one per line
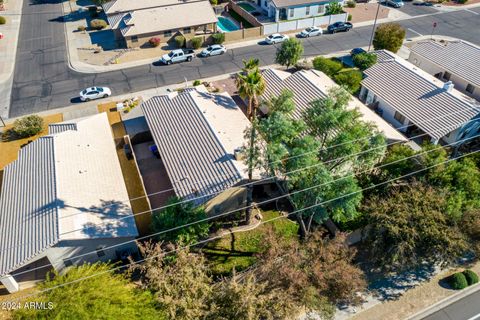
356 51
93 93
213 50
310 32
178 55
339 26
394 3
276 38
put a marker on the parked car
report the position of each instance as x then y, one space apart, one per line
93 93
356 51
178 55
362 1
339 26
213 50
276 38
394 3
311 32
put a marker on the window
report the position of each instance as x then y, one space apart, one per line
167 33
134 39
447 75
307 10
470 88
186 30
321 9
292 12
399 117
100 252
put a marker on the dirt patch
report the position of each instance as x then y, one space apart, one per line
454 4
366 12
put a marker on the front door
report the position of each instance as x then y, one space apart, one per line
283 14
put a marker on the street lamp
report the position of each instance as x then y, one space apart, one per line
374 25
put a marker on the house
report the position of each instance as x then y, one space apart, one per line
136 22
198 136
294 9
457 61
416 102
63 201
310 85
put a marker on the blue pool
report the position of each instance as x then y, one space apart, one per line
226 25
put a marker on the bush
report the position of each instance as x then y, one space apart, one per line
471 277
196 42
349 18
389 36
218 38
98 24
214 2
351 4
180 41
28 126
364 60
3 20
81 28
462 1
334 8
328 66
197 83
458 281
350 79
154 42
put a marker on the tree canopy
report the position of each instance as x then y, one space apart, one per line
389 36
289 53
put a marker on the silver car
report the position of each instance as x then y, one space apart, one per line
394 3
276 38
311 32
213 50
93 93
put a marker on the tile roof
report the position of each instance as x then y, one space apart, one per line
457 57
418 96
195 158
63 186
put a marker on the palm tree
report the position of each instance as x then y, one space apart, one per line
250 65
250 86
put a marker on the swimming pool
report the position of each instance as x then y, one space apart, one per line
226 25
246 6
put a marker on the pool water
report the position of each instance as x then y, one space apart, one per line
246 6
226 25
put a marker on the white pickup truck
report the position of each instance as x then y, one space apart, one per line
178 55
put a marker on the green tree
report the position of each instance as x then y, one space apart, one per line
328 66
250 65
349 79
364 60
289 53
100 2
250 86
105 294
411 227
334 8
389 36
179 213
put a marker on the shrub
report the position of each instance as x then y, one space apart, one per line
458 281
214 2
364 60
154 42
98 24
389 36
471 277
81 28
328 66
351 4
196 42
462 1
334 8
349 18
3 20
197 83
28 126
180 41
218 38
350 79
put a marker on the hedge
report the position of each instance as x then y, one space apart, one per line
350 79
98 24
471 277
327 66
364 60
458 281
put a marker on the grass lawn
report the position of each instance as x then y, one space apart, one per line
129 170
9 148
6 297
237 250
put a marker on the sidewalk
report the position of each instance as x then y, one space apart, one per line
8 51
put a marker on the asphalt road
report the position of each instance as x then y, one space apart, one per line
43 80
467 308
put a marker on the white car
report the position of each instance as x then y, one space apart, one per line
93 93
276 38
311 32
213 50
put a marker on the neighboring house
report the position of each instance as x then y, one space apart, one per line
63 197
198 135
310 85
416 102
136 22
456 61
294 9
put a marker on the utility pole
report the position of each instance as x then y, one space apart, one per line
3 123
374 26
250 165
433 28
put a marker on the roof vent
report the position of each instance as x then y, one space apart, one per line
448 86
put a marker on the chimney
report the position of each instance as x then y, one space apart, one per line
448 86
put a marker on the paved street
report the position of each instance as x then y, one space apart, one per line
43 80
467 308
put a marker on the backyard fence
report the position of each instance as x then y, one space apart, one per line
303 23
241 34
244 14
